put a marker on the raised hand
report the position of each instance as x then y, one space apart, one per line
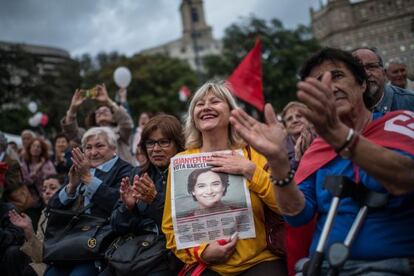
126 194
216 253
77 99
305 139
122 93
267 138
22 221
82 165
39 165
232 163
318 96
145 189
74 180
102 96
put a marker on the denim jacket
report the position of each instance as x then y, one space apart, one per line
395 98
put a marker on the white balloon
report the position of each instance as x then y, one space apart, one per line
122 77
37 118
31 122
32 106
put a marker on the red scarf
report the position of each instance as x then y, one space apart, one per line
395 130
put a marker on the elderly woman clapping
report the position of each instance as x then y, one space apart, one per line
93 178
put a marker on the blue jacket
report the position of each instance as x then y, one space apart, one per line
395 98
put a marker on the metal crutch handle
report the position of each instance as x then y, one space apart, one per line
339 252
339 187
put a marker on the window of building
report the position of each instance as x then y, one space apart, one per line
194 14
402 48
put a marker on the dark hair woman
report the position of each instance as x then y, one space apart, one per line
142 202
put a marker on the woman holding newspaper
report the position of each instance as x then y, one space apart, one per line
208 130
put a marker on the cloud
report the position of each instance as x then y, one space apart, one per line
127 26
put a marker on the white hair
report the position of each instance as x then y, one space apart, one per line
28 131
393 61
106 132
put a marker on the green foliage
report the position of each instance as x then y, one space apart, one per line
155 83
23 78
283 52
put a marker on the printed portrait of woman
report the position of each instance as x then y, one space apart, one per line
208 189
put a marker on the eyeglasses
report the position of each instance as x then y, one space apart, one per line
103 111
372 66
163 143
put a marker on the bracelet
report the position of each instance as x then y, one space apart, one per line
348 140
285 181
347 152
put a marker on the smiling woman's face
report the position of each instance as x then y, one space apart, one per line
211 112
208 189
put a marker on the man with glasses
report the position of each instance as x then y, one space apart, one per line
382 97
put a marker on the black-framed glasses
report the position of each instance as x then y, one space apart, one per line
163 143
372 66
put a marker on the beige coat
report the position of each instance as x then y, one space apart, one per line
123 129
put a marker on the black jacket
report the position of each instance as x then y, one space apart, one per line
9 234
124 221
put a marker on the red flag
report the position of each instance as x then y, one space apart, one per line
246 79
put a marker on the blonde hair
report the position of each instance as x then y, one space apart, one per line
220 89
289 106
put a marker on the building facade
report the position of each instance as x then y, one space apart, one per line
50 59
197 39
387 25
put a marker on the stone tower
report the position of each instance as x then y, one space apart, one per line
197 40
193 20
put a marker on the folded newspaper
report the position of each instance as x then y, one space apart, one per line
208 206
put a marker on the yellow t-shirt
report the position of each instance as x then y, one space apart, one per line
249 252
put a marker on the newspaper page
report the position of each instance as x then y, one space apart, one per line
208 206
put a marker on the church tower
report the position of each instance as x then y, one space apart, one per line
197 39
193 20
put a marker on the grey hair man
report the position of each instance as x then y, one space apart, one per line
382 97
397 73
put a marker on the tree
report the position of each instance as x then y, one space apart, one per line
23 79
156 80
283 51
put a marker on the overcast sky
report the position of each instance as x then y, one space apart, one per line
128 26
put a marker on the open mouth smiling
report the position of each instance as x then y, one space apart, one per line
207 116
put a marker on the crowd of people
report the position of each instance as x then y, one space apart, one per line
353 118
